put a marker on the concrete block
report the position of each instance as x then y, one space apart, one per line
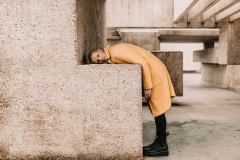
52 108
86 112
210 55
174 64
222 76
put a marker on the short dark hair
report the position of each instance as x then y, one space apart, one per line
90 53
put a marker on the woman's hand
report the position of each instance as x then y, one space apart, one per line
147 94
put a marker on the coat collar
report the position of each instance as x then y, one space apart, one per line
107 51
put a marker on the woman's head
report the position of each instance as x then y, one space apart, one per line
97 56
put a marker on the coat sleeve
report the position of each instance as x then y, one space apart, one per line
130 57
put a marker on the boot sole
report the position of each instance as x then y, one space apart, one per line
156 154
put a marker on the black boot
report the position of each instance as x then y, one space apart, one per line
156 149
159 147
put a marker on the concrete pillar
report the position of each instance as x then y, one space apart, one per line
229 40
234 43
52 108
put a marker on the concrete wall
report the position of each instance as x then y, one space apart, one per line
49 106
139 13
91 29
146 38
222 76
148 41
234 51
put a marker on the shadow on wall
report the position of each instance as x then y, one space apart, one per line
90 27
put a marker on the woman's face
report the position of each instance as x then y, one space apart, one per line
99 57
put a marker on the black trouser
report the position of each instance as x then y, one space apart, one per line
161 124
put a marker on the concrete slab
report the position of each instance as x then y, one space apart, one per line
164 35
203 124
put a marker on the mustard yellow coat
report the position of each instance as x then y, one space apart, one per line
155 74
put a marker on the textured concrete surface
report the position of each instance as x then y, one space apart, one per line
90 27
174 63
90 112
220 53
223 76
203 124
139 13
229 40
227 54
146 38
46 106
234 53
210 55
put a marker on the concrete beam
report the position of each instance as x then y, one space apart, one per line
217 7
199 7
188 35
228 12
183 16
174 64
234 17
